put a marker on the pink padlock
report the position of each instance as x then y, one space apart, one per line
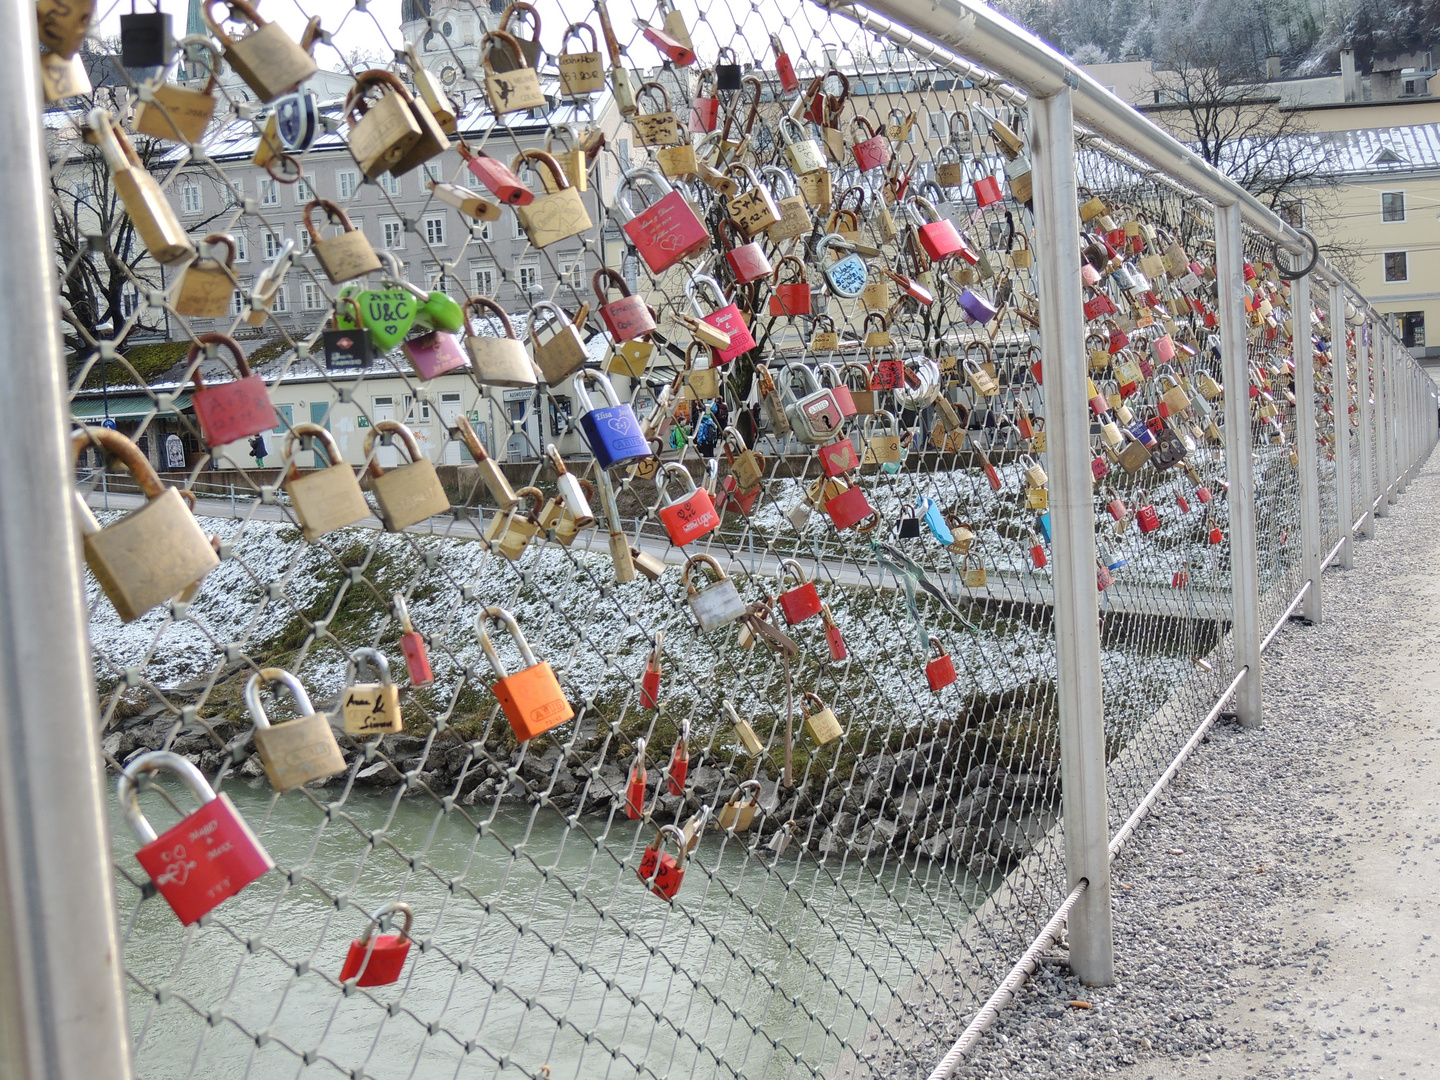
229 412
412 644
434 354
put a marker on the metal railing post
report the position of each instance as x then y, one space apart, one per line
62 1003
1382 419
1340 402
1364 348
1244 572
1076 612
1303 353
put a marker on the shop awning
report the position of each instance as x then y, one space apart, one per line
124 407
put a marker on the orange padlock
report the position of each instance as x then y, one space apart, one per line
532 698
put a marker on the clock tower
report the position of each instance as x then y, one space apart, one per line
447 35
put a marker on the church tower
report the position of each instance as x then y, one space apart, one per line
447 34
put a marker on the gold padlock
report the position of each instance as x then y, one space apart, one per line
432 94
411 493
629 358
882 448
150 211
739 812
960 533
298 751
328 498
562 353
490 472
61 78
1034 474
179 113
208 284
156 552
63 24
266 58
515 90
383 130
370 708
509 532
583 72
661 128
824 340
556 216
822 725
574 159
973 576
498 361
702 384
754 210
744 731
342 257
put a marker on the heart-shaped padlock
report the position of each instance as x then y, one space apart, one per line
387 313
441 312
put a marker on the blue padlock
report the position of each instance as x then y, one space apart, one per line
935 520
1042 522
613 432
848 277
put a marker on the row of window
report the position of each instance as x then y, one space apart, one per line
347 182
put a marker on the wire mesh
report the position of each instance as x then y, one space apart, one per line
899 846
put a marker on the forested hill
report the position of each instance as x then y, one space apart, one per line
1307 34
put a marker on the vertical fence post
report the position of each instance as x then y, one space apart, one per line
1364 348
1340 402
1303 353
1077 646
1244 573
62 1004
1382 418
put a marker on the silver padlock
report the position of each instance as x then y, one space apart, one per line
718 603
577 506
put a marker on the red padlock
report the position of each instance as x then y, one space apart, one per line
789 84
1037 553
1098 403
839 457
1182 502
872 152
208 857
1118 338
803 601
497 177
937 236
1098 306
992 474
726 318
650 681
417 660
731 495
690 517
661 872
1147 517
838 388
377 961
939 669
1180 580
747 260
627 318
1099 467
1116 506
679 762
705 109
987 188
635 784
673 49
834 639
848 508
1202 493
1216 536
1103 578
789 297
667 230
234 410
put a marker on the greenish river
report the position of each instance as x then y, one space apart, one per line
542 949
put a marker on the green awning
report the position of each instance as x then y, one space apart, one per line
124 406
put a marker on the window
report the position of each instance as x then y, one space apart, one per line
190 201
1412 329
273 244
389 184
348 179
311 298
129 300
242 247
484 280
517 230
287 418
239 302
423 412
235 192
281 302
392 232
432 172
481 230
529 277
939 126
269 191
435 277
435 229
304 242
560 415
1396 266
304 192
1392 206
571 272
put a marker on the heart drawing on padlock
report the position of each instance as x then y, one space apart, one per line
387 313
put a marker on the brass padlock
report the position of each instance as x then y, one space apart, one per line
381 131
1133 458
822 725
490 472
509 532
328 498
803 152
973 577
296 752
817 188
515 90
739 812
583 72
883 448
661 128
370 708
530 48
499 361
61 78
795 217
743 730
441 108
342 257
629 358
411 493
573 159
156 552
266 58
1034 474
754 210
556 216
208 284
63 24
826 339
702 384
562 353
150 211
179 113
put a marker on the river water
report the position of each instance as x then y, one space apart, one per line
543 950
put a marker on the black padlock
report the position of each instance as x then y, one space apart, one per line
727 76
351 349
145 40
908 527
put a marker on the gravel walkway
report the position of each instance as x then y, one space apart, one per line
1278 914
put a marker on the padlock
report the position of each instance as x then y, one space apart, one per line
703 383
411 493
371 708
650 679
834 639
381 132
690 517
803 152
61 79
839 457
296 752
347 348
725 317
627 318
821 725
803 601
661 128
153 553
531 51
516 89
739 813
1116 505
666 231
771 402
847 277
208 857
873 151
939 668
789 297
434 354
149 210
747 260
378 961
175 112
556 216
208 283
266 58
511 530
229 412
342 257
561 354
679 767
581 73
883 447
1174 401
498 361
675 49
612 432
1034 474
985 186
661 872
907 525
498 179
635 783
718 603
973 577
1147 517
849 508
1018 173
466 201
984 383
815 417
63 24
532 698
747 466
876 299
328 498
1133 458
753 207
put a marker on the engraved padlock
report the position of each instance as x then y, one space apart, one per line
328 498
298 751
408 494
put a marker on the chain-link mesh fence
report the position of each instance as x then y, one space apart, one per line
864 769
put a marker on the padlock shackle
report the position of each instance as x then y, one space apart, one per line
601 281
662 480
578 30
524 11
314 431
889 416
333 213
127 792
115 445
243 6
629 181
789 260
749 790
220 238
557 171
607 389
653 87
216 338
937 646
377 919
395 427
855 365
270 675
488 646
355 97
692 288
806 376
792 566
361 658
397 276
493 308
201 41
705 560
494 38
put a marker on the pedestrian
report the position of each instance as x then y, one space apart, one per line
258 450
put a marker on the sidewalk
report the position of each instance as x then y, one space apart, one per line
1279 913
